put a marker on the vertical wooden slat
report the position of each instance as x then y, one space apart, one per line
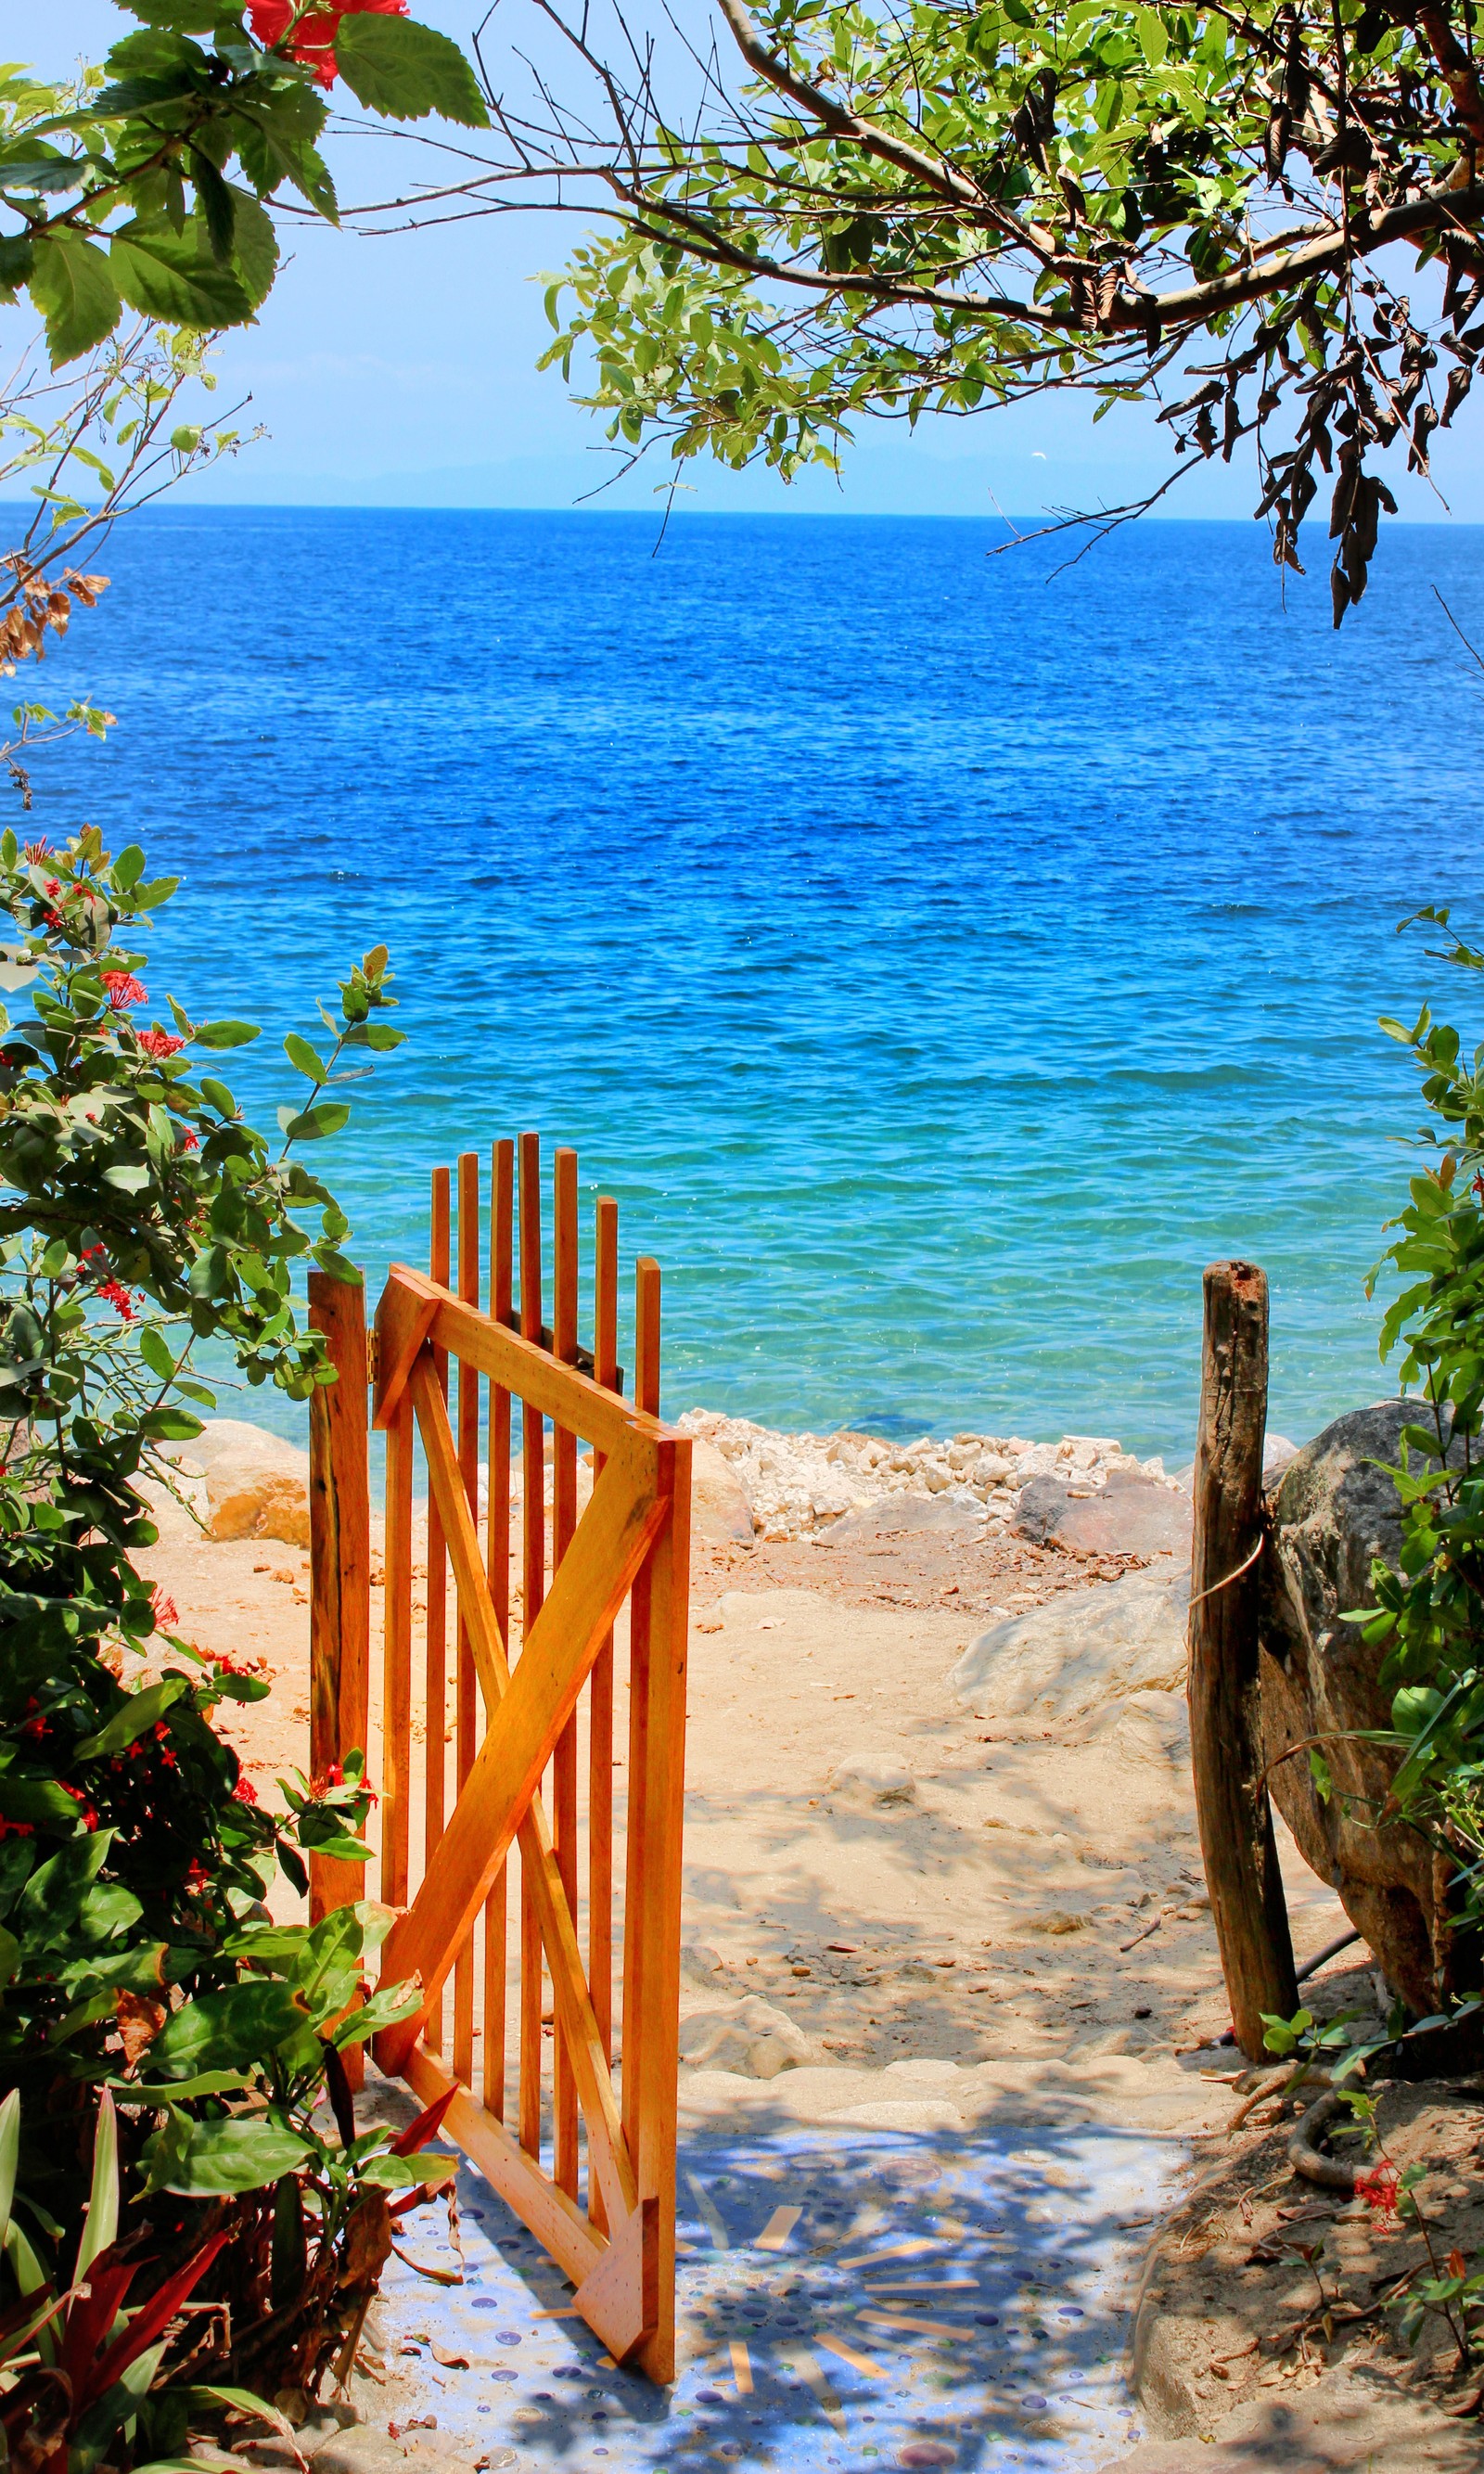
467 1687
339 1563
532 1592
435 1637
651 1908
564 1522
397 1684
605 1369
497 1560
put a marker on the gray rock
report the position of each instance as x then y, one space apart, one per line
1335 1512
1086 1650
900 1515
1130 1515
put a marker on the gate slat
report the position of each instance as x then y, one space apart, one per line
564 1522
435 1716
533 1582
605 1370
467 1698
498 1564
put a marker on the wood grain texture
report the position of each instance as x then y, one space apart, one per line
467 1693
1248 1905
397 1653
564 1524
533 1584
339 1562
435 1621
497 1957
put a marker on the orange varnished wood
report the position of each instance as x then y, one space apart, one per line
533 1584
467 1697
498 1565
521 1678
605 1370
339 1563
564 1522
397 1681
435 1625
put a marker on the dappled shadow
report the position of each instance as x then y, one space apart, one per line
846 2296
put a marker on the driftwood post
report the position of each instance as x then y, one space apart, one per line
339 1563
1247 1905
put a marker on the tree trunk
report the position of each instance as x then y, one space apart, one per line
1247 1905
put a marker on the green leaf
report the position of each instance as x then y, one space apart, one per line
10 2152
157 1353
226 1034
73 286
216 2159
128 868
17 258
404 71
310 1125
306 1060
256 245
139 1713
227 2030
177 2091
218 206
174 276
101 2231
36 1801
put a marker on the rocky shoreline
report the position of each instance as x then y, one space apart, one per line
795 1484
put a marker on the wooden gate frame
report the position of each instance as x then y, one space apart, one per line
633 1536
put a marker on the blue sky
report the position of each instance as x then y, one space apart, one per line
401 370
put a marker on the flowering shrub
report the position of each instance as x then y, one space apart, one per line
140 1217
308 34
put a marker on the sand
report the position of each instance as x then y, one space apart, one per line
936 1912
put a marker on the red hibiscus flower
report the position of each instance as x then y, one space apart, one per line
312 43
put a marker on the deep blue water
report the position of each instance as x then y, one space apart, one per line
940 962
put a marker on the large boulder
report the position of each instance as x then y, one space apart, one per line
1085 1651
257 1484
1335 1511
720 1506
1130 1515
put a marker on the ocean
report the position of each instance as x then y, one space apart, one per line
940 959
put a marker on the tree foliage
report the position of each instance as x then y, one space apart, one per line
949 204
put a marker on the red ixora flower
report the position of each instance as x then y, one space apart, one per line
123 988
160 1043
167 1611
1377 2187
37 851
244 1791
116 1294
313 42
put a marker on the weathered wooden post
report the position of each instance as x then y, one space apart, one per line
1247 1905
339 1563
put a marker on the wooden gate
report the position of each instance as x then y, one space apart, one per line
518 1975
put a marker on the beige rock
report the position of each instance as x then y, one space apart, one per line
257 1484
873 1779
720 1506
750 2037
1084 1650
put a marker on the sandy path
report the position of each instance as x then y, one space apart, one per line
977 1883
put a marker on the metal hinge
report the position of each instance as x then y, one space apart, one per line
373 1360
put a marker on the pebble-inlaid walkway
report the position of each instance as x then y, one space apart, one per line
848 2298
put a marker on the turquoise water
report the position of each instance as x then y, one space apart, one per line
940 962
